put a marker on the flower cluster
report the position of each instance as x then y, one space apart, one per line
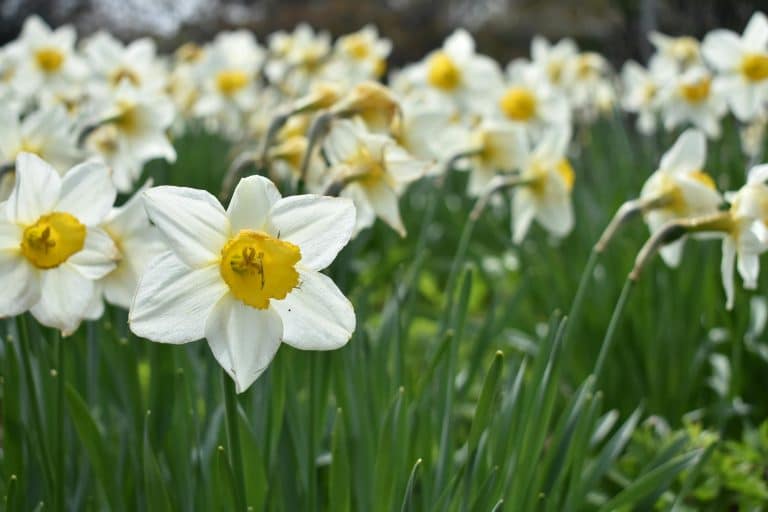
79 120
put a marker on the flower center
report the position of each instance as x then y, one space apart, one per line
697 91
518 104
357 46
128 120
258 267
51 240
49 59
442 72
755 66
125 73
703 178
230 81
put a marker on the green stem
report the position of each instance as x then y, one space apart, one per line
59 420
578 299
34 402
311 477
610 334
233 440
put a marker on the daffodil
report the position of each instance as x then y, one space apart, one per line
246 278
51 248
48 133
680 188
681 53
496 148
137 243
300 57
553 59
546 181
692 98
133 131
641 91
458 74
374 172
747 236
360 56
742 64
527 100
227 76
111 62
45 58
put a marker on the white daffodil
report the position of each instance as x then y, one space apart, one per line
459 74
46 58
246 278
137 243
48 133
360 56
132 130
742 64
498 148
641 91
528 100
588 82
681 53
553 60
227 76
747 237
691 98
111 62
546 184
679 189
373 170
299 58
51 250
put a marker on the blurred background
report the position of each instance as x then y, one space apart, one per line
503 28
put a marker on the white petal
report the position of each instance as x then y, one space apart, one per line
36 190
316 315
192 221
385 204
320 226
19 283
756 33
722 49
758 174
556 214
98 256
342 141
244 340
251 201
64 298
87 193
749 268
173 301
10 233
672 253
726 270
688 153
523 212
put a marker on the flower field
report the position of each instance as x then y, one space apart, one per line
275 274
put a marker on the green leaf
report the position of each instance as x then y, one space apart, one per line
339 481
154 484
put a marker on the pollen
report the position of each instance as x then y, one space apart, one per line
518 104
442 72
51 240
49 59
258 267
754 66
697 91
230 81
125 74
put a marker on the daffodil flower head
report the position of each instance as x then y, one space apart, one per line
247 278
742 63
51 247
747 236
680 188
497 148
547 179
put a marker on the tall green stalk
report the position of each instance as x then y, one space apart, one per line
233 440
610 334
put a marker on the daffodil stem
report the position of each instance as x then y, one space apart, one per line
312 441
59 420
317 131
233 440
610 334
37 421
578 300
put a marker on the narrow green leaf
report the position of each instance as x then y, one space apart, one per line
484 411
408 495
339 481
154 485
